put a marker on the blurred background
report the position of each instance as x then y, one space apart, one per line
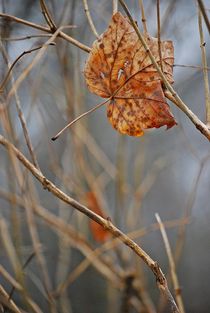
128 179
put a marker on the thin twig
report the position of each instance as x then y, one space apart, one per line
48 16
205 72
21 116
78 118
4 300
143 18
24 266
6 78
32 226
205 16
174 277
27 23
47 30
114 6
25 37
171 94
197 67
158 33
107 224
10 279
80 243
90 21
40 53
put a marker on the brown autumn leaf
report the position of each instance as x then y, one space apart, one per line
99 233
119 67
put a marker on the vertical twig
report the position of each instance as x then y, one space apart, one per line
203 11
205 71
159 40
175 281
115 6
90 21
143 18
48 16
18 106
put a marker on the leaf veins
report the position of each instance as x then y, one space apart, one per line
119 68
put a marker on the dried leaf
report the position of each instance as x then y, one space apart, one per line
99 233
119 67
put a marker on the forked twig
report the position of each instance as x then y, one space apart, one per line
47 16
47 30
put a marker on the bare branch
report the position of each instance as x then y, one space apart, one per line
205 16
47 30
106 223
174 277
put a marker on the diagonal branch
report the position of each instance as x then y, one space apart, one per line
106 223
47 30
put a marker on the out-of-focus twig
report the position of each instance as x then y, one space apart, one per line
115 6
10 279
107 224
174 277
158 33
47 30
205 72
27 70
6 78
205 16
4 300
143 18
90 21
18 106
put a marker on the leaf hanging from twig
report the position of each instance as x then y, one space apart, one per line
119 68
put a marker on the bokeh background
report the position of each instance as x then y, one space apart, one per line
167 172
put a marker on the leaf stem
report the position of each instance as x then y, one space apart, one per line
78 118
